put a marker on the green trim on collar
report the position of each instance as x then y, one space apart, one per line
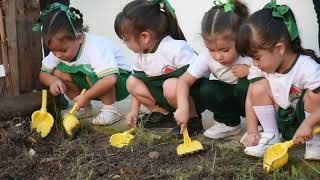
79 53
292 65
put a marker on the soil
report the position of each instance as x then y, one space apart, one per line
23 155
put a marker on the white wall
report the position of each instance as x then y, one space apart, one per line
100 15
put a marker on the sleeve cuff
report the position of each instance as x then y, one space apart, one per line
255 79
107 72
317 90
45 69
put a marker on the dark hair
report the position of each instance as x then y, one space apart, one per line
141 15
262 31
57 21
216 20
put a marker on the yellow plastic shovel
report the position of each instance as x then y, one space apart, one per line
71 123
188 145
276 155
120 140
41 120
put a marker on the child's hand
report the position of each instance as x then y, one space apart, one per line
182 118
303 134
57 88
240 70
131 118
82 101
250 139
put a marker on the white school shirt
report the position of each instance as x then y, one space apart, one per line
96 53
305 74
204 65
170 55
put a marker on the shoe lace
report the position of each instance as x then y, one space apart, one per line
265 139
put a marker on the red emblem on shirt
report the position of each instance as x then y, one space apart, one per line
167 69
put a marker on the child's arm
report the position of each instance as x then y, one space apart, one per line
132 116
183 87
56 86
312 104
98 89
240 70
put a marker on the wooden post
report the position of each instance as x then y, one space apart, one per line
12 46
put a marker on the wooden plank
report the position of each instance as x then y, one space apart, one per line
4 54
10 21
29 45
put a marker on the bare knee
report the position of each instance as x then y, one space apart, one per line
311 101
135 86
65 77
260 92
169 88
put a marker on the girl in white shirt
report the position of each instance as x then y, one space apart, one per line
150 29
287 98
79 60
226 94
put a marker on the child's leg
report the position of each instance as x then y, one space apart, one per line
139 90
218 97
159 116
72 89
170 93
311 106
261 105
109 112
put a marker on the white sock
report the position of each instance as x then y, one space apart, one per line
315 137
306 114
110 106
267 118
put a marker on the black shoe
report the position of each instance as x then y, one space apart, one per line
194 127
63 102
157 120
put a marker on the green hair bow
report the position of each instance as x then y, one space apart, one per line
227 6
56 7
282 11
167 4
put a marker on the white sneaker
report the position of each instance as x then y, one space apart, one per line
109 115
245 134
313 148
85 112
266 140
220 130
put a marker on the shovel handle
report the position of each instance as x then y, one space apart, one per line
316 131
73 109
130 131
186 137
44 100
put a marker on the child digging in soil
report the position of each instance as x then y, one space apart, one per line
226 94
288 96
80 60
150 29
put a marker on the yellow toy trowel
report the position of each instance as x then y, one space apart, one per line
71 123
188 146
276 155
120 140
41 120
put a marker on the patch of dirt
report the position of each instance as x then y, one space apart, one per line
23 155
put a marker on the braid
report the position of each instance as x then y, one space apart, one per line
79 21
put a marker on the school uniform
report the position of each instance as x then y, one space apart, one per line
225 94
288 89
170 59
96 58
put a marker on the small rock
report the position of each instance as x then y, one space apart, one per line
32 152
154 155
